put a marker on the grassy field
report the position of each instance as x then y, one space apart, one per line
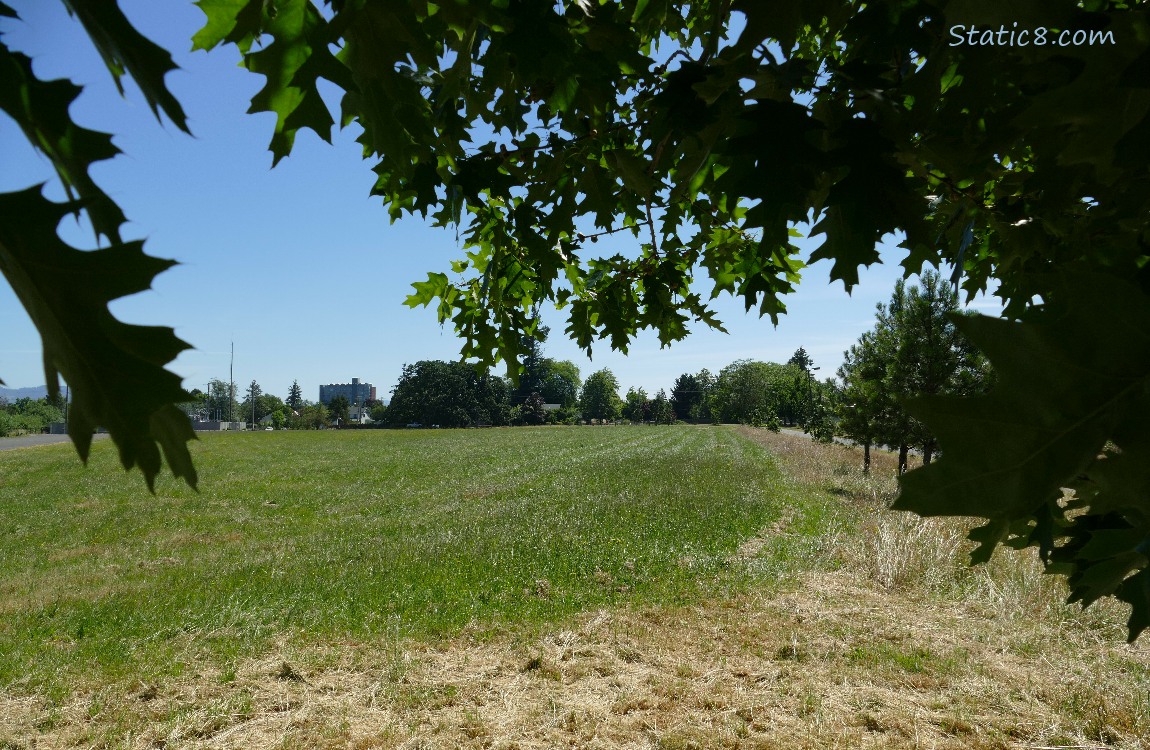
597 587
360 534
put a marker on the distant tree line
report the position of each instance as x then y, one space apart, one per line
764 394
914 349
29 415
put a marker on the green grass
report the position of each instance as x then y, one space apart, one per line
368 534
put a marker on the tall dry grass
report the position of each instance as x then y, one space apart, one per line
903 552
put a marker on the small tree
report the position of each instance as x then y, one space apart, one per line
312 417
532 410
636 405
865 396
251 402
379 412
661 409
339 409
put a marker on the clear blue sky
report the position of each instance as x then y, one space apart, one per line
298 265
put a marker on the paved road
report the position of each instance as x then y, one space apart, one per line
800 433
844 441
29 441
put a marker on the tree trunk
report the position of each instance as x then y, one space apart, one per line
927 453
866 458
902 453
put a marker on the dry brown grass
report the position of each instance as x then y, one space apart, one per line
902 647
902 552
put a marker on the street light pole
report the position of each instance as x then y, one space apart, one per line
810 396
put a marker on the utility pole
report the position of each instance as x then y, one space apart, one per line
232 383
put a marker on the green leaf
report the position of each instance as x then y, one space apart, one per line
115 370
988 537
1064 383
297 57
234 21
1136 591
872 198
849 242
632 170
1068 411
40 108
126 50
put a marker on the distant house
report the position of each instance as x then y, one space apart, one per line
267 418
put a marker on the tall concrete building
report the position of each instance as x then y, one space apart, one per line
355 392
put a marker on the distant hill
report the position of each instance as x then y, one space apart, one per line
12 394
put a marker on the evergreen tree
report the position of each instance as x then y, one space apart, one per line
866 397
661 410
250 406
801 359
534 371
295 396
913 350
686 395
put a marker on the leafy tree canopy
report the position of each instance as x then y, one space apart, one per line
560 382
449 394
379 412
709 131
636 406
599 398
756 392
29 415
338 409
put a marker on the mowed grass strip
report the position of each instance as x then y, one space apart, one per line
363 533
